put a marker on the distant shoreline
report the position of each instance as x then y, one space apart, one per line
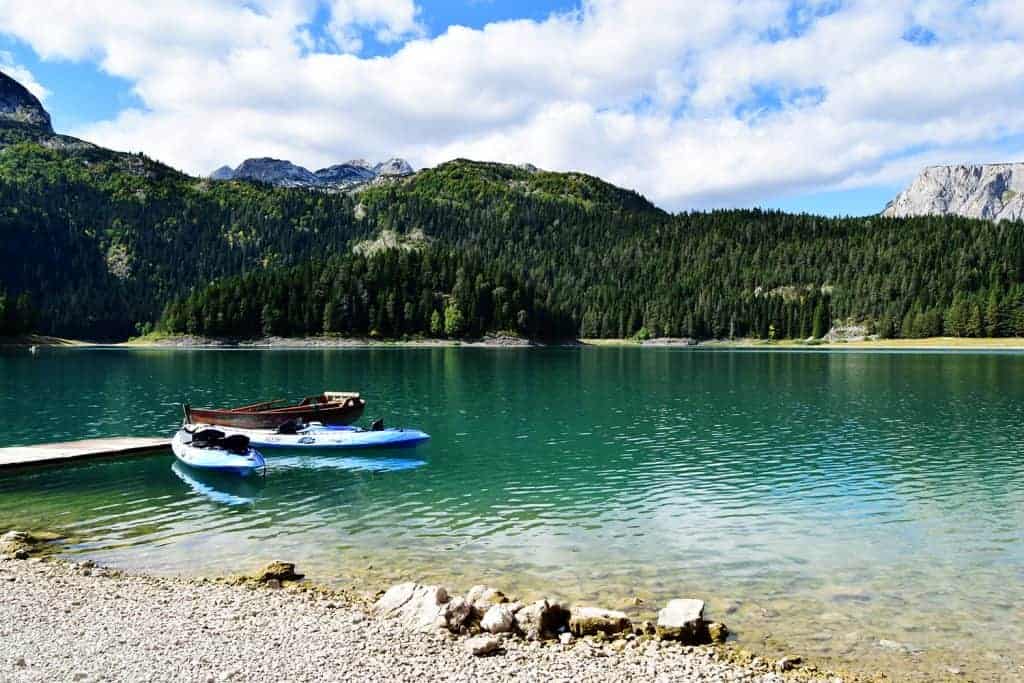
508 341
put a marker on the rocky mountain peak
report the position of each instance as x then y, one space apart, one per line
351 174
223 173
393 167
18 105
275 171
987 191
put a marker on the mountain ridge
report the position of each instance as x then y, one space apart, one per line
984 191
344 176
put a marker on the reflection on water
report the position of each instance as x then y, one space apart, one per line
228 489
364 463
842 502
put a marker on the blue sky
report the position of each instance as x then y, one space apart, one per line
825 106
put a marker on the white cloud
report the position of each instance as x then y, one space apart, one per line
390 21
22 75
692 103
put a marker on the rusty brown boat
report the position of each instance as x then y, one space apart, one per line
329 408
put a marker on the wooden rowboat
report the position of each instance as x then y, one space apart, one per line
329 408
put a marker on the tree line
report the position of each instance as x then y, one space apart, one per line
101 249
391 293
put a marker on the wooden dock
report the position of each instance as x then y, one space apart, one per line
73 451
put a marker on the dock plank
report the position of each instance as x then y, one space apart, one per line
71 451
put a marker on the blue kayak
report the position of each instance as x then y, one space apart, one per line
204 455
333 437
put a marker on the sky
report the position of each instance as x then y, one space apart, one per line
825 106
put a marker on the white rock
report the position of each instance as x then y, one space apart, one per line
498 619
480 646
418 607
989 191
483 598
683 620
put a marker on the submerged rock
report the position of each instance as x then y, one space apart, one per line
588 621
718 632
20 545
279 571
683 620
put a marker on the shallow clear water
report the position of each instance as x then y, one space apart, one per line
844 505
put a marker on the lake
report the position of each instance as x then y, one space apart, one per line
863 508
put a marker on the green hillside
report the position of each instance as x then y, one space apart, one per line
98 244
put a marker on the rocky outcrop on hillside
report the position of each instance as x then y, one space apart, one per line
18 105
275 172
393 167
355 171
349 175
987 191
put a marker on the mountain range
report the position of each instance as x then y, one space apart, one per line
345 176
101 244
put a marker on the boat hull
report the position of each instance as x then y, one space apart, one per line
328 414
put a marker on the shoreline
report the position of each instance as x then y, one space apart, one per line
260 628
510 342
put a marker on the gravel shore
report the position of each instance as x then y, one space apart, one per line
61 621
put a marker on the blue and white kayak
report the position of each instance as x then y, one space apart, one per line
317 436
216 458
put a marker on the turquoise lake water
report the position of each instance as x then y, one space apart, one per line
850 506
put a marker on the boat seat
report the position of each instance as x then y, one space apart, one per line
206 438
236 443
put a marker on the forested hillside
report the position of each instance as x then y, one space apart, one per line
101 248
99 244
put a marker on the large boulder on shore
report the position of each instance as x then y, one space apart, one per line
499 619
589 621
683 620
542 620
418 607
458 614
482 598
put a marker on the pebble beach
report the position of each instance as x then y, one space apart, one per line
77 622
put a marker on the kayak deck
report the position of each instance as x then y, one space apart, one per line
333 437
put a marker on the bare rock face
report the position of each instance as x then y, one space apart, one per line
393 167
987 191
350 175
18 105
223 173
275 172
